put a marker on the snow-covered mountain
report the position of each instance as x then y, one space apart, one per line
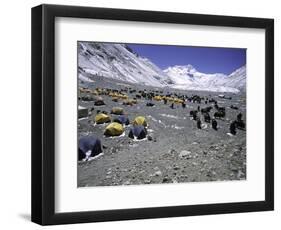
188 77
237 79
120 62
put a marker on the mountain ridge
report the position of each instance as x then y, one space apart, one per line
120 62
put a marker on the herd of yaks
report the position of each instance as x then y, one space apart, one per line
91 146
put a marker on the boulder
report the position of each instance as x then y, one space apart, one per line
82 112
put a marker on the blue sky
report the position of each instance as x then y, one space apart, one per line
204 59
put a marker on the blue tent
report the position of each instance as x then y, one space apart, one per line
122 119
138 131
88 143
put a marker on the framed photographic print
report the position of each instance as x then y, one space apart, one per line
142 114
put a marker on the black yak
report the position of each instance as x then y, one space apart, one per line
214 124
219 114
232 128
198 122
207 117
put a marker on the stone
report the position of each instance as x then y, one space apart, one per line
82 112
240 174
204 161
176 167
185 154
213 173
194 164
127 182
158 173
183 176
147 181
195 156
172 151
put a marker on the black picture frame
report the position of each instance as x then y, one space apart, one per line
43 114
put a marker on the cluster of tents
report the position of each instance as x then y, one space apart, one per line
86 94
91 146
116 126
168 99
97 91
116 95
98 100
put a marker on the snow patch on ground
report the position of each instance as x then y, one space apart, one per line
88 158
169 116
177 127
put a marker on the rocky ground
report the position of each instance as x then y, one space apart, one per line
178 151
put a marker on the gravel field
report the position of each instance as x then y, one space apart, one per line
178 151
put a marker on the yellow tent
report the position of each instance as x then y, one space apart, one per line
140 120
114 129
115 99
84 90
134 101
117 110
157 98
129 102
123 96
170 99
95 92
102 118
98 98
179 101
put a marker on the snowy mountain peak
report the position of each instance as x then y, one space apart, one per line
188 68
181 69
187 76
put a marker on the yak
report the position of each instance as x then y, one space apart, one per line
207 117
219 114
